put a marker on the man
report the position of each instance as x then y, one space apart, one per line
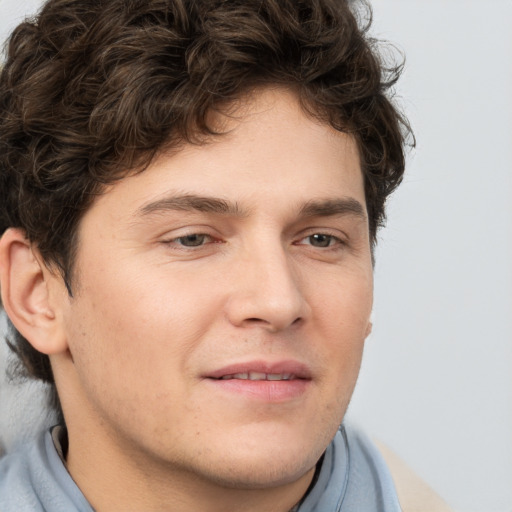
190 196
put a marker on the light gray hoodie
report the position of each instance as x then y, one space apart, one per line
353 478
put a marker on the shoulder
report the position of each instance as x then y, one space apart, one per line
370 485
34 479
356 474
17 492
414 494
352 476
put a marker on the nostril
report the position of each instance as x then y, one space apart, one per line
270 307
272 325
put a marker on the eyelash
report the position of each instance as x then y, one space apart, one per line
176 241
332 241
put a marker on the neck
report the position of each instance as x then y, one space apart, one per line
117 470
113 479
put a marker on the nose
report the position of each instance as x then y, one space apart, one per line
267 291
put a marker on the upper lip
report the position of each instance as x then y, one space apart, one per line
291 367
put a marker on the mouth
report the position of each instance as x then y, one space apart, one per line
262 370
259 376
263 381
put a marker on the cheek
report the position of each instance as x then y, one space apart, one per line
343 319
147 325
345 308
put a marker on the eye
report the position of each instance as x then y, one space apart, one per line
193 240
321 240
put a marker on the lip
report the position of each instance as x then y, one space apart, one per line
295 368
266 391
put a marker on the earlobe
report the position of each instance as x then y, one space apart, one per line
25 288
368 331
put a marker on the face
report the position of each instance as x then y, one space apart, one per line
221 302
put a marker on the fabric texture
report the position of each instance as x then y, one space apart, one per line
353 477
34 479
24 403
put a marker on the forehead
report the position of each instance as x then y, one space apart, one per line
268 151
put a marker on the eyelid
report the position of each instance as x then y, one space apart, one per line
333 232
337 241
181 231
203 237
171 238
185 235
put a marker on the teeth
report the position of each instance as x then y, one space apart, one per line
279 376
258 376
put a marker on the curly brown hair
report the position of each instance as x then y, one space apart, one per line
92 89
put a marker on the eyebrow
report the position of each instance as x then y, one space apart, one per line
192 203
329 207
189 202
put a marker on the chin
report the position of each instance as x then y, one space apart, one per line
264 464
255 473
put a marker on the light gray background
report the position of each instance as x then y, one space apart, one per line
436 383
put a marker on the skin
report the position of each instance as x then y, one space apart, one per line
170 289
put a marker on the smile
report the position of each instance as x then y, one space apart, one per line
262 370
259 376
263 381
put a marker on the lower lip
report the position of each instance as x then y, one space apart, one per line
264 390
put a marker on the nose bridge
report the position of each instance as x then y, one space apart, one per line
268 287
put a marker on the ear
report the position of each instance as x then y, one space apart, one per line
368 331
26 285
